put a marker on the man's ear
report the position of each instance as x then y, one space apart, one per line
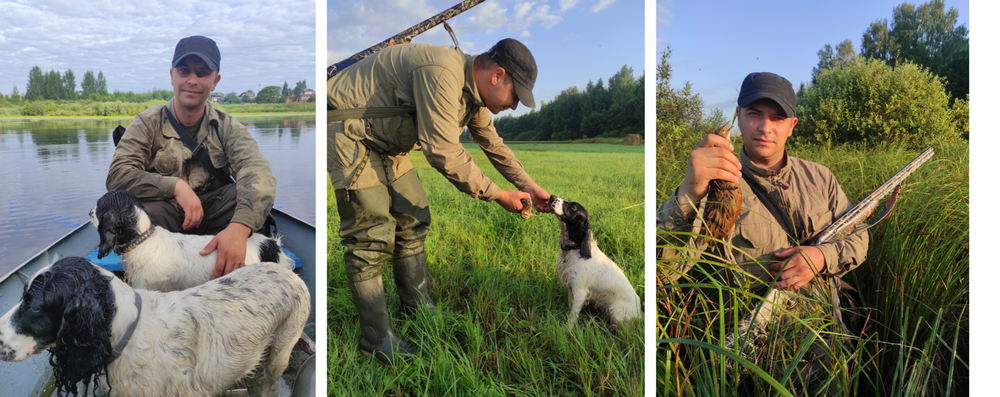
498 74
795 120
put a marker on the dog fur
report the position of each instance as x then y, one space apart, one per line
165 261
590 275
197 342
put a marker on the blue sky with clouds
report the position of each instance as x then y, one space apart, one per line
262 42
573 41
716 44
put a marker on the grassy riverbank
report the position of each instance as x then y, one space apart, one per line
87 108
497 272
915 283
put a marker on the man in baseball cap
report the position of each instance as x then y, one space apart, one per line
401 98
177 189
786 202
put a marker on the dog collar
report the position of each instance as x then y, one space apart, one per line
128 332
138 240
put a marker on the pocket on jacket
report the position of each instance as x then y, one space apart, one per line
344 153
170 158
817 222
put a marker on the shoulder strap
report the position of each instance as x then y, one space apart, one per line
772 207
197 151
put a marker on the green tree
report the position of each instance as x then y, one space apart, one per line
269 94
874 103
36 84
828 59
231 98
285 92
299 87
14 92
53 85
926 35
245 98
678 113
88 85
102 85
69 85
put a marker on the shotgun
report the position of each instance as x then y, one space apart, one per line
844 226
404 36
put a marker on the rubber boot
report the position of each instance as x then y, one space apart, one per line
411 284
377 339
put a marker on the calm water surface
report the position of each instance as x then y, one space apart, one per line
52 172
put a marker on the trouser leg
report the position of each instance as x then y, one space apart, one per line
367 230
410 209
218 206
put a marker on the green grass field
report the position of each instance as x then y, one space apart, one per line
915 283
497 271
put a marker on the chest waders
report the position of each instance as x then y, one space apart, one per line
388 219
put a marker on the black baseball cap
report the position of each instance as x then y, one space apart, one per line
201 46
771 86
515 58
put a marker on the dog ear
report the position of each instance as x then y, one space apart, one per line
83 343
588 240
108 236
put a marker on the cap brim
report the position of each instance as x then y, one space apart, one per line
746 101
524 95
211 65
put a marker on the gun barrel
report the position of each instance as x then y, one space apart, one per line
404 36
865 207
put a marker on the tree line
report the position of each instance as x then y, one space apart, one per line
600 110
909 84
63 86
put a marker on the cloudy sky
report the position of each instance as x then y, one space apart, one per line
573 41
262 42
716 45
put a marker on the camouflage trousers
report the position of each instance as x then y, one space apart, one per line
383 208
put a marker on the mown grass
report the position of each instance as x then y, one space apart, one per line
497 272
915 284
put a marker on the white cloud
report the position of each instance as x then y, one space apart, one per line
663 14
489 16
525 15
263 42
565 5
602 4
525 34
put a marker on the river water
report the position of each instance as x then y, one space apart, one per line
52 172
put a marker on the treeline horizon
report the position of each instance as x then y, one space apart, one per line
600 110
56 86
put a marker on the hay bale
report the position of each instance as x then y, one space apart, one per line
633 140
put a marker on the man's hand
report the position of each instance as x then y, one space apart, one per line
712 158
510 200
232 246
190 203
539 197
805 263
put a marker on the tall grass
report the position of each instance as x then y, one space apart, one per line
496 272
915 285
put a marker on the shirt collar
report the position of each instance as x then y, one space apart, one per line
470 83
761 171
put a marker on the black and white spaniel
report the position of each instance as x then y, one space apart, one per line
197 342
590 275
157 259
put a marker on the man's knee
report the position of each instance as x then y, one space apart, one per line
165 213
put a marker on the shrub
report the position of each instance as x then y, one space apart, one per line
873 103
33 109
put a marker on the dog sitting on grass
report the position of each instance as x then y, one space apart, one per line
157 259
590 275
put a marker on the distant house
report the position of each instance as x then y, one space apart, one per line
249 93
217 97
306 94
